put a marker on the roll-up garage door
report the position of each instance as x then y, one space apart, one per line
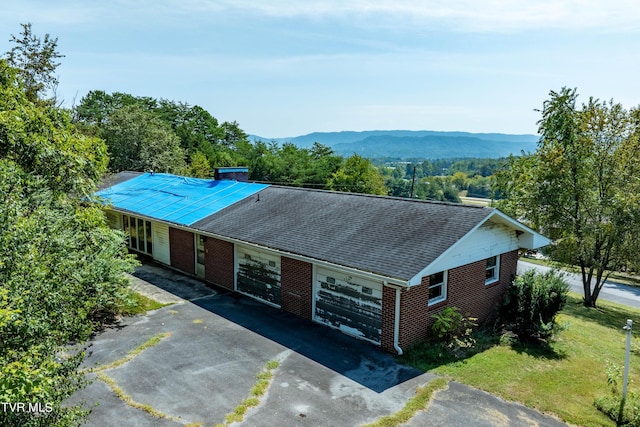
259 274
349 303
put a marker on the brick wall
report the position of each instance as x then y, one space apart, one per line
388 318
182 250
466 290
296 287
219 262
413 314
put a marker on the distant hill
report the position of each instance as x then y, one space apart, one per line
405 144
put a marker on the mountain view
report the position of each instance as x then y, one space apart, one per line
405 144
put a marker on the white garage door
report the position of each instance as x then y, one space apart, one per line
349 303
259 274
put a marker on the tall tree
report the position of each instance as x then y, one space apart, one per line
358 175
139 141
61 267
580 187
36 61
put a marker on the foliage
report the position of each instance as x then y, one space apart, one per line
357 175
419 402
290 165
455 330
531 304
625 412
60 265
139 141
580 187
196 130
199 165
35 61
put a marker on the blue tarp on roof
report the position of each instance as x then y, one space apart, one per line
177 199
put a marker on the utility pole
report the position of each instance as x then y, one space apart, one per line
413 181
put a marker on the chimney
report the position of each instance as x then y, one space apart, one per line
233 173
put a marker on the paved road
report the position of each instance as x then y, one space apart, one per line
611 291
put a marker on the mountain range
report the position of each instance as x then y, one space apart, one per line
406 144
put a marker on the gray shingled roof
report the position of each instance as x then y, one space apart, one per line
392 237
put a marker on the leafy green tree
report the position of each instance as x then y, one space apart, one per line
580 187
139 141
358 175
36 61
199 166
61 267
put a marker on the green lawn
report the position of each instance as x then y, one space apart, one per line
563 378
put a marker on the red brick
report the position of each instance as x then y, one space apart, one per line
182 250
219 262
296 283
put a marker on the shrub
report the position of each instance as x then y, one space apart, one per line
454 330
531 304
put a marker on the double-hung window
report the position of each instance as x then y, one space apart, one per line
437 287
493 269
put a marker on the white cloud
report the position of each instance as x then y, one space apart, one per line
460 15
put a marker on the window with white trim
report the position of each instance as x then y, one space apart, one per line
437 287
493 269
138 234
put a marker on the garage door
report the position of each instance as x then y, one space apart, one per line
351 304
259 275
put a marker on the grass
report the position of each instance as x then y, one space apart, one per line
129 401
140 304
99 370
154 340
562 378
415 404
259 389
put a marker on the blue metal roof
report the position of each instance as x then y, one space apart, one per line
176 199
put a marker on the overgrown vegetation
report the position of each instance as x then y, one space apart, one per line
417 403
531 304
264 378
61 266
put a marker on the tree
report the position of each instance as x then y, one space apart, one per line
61 266
36 61
358 175
580 187
139 141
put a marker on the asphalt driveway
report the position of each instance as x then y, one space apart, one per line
218 342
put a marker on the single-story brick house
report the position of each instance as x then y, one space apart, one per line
374 267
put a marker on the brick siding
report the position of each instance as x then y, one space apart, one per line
182 250
219 262
296 287
466 290
388 318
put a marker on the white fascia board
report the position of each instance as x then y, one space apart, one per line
526 239
529 239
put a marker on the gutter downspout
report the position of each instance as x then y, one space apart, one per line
396 324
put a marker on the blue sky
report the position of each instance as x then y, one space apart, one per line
286 68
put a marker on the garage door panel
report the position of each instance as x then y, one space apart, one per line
351 304
259 275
